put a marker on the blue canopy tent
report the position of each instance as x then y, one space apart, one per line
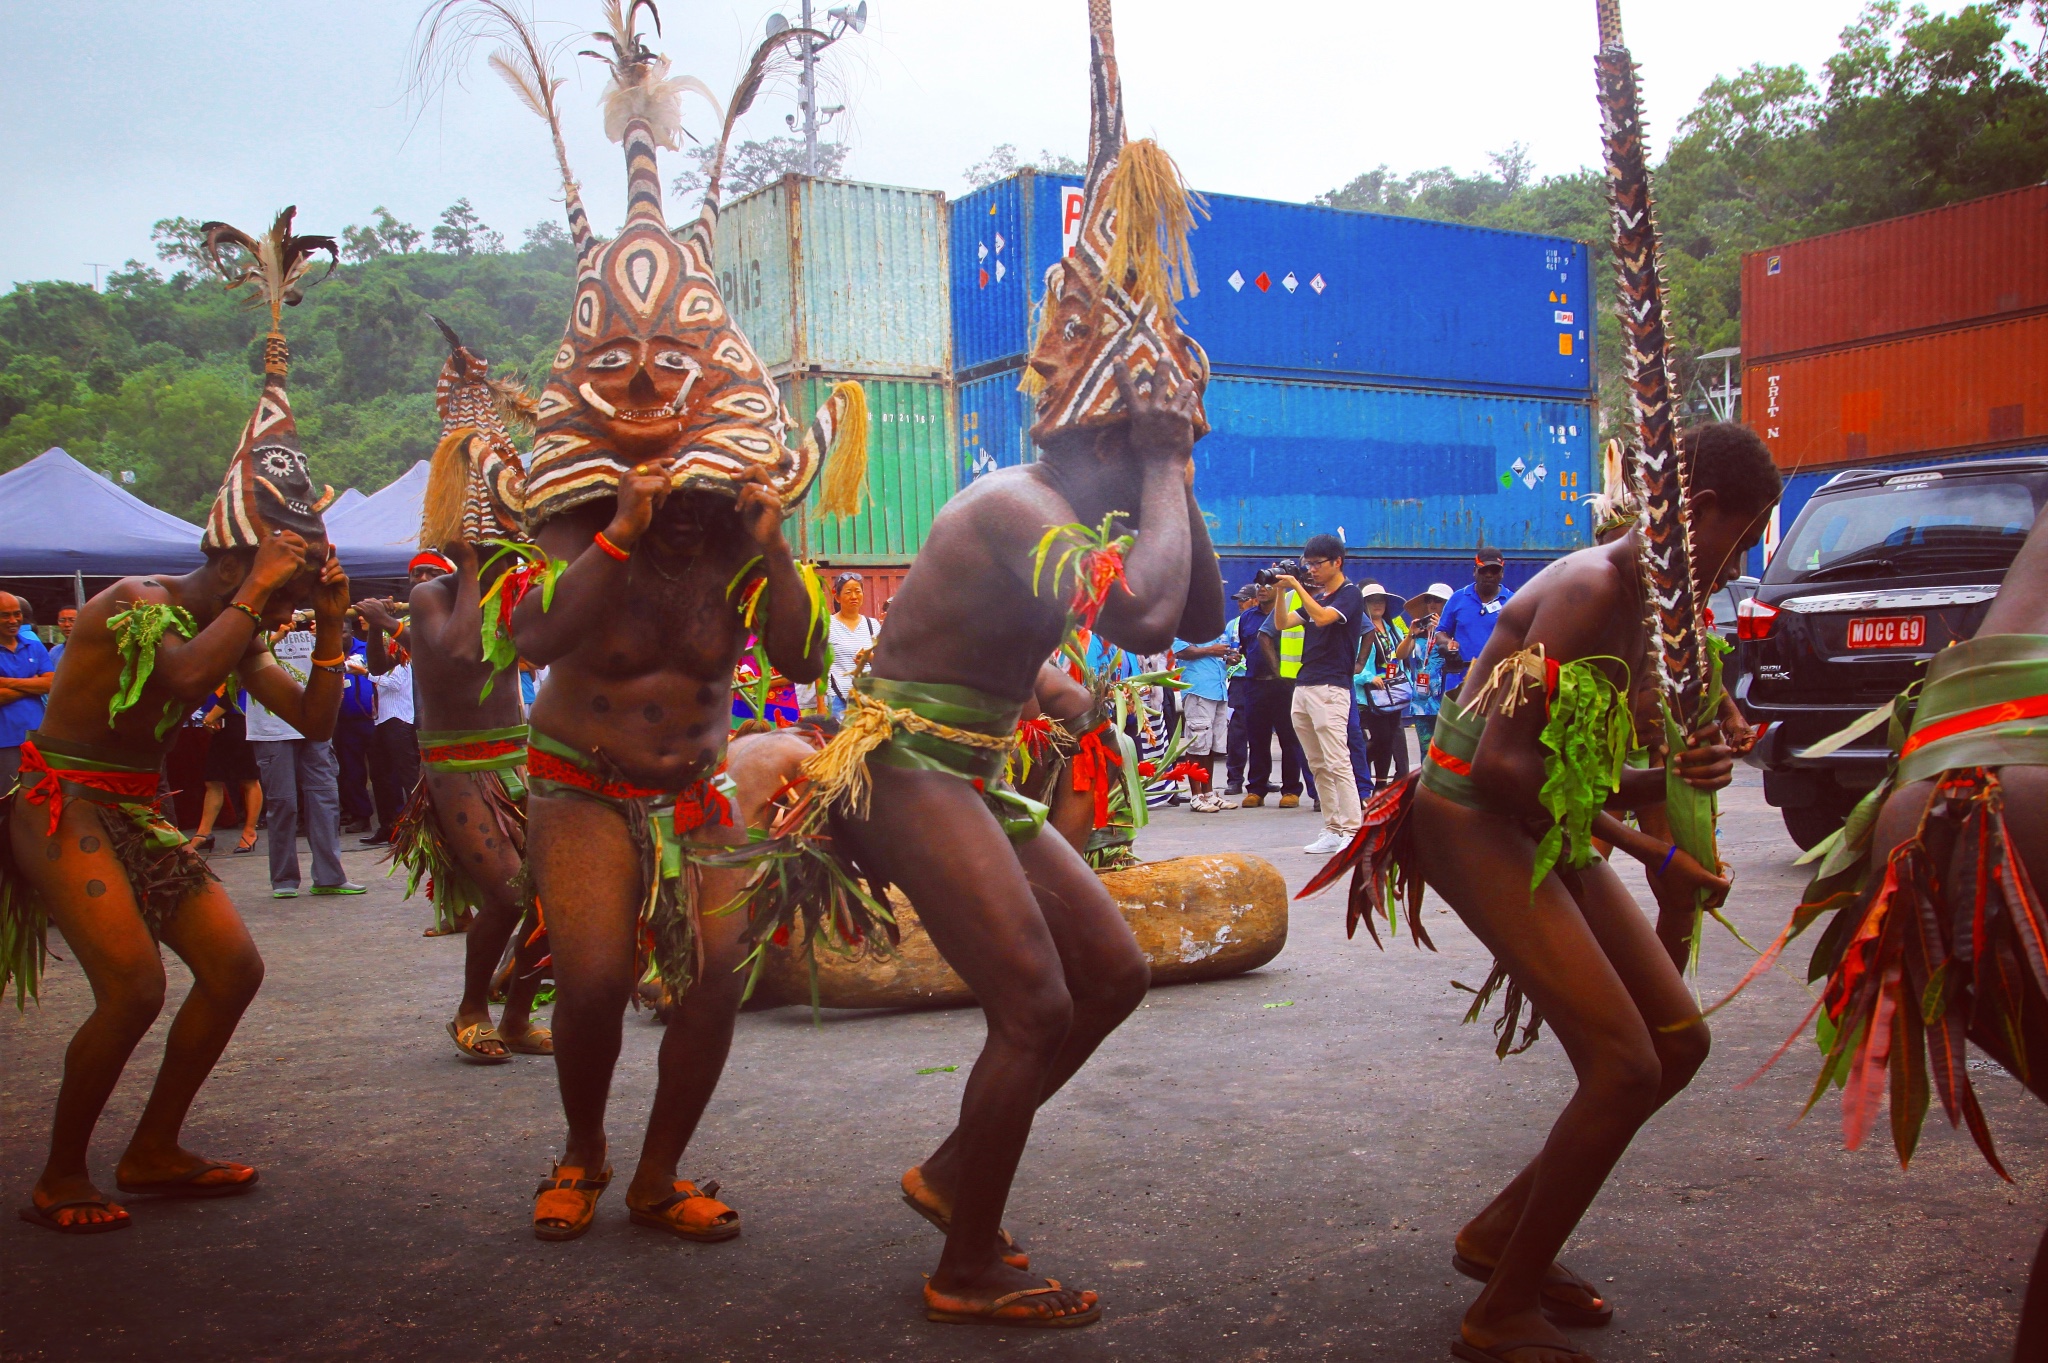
59 518
378 534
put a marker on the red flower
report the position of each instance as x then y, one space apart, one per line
1186 771
1101 569
1146 769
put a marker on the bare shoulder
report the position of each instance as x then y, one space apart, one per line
1578 602
1013 503
432 598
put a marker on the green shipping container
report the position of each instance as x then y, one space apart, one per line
911 470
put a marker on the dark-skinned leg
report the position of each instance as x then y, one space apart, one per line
587 873
76 875
209 809
1658 990
492 858
211 939
931 834
1480 864
698 1037
1106 972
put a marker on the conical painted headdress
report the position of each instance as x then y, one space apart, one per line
1111 299
476 486
267 485
651 365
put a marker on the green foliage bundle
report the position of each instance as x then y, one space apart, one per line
1916 110
156 375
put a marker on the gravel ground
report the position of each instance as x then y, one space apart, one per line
1270 1167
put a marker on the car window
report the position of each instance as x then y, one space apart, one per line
1924 527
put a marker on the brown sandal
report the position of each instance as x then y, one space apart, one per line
532 1041
46 1216
192 1184
569 1198
1012 1308
919 1197
469 1040
690 1214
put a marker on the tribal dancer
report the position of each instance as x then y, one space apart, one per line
656 489
83 843
918 766
1938 933
464 830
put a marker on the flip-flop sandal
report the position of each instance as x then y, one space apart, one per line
533 1041
571 1200
43 1216
1008 1309
1472 1353
1559 1308
467 1040
690 1214
913 1184
187 1184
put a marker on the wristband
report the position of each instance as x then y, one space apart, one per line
612 549
337 661
398 633
250 611
1666 864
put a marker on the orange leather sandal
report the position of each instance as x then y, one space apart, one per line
565 1205
920 1198
1012 1308
690 1214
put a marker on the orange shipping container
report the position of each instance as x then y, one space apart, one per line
1954 392
1946 267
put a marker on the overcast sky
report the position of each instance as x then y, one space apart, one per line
118 112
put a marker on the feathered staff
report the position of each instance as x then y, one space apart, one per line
641 84
1685 671
441 44
270 266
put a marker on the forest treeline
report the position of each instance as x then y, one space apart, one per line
154 373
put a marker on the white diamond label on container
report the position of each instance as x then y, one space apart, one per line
981 250
1317 284
1001 270
1290 283
1529 481
1518 465
999 243
1542 474
1236 282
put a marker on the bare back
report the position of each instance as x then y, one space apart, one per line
447 681
1596 591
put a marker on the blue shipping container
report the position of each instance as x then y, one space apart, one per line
1296 291
1403 576
1393 469
1800 487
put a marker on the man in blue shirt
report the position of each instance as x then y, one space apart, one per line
67 619
25 671
1205 713
1468 617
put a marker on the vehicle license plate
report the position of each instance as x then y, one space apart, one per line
1888 631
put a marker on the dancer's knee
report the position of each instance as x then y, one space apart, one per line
1115 983
133 997
1627 1077
233 977
1682 1052
1033 1015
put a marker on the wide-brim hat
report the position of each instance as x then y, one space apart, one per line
1373 589
1438 592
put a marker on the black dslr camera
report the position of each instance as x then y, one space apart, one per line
1286 567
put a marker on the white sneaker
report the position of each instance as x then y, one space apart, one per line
1209 802
1326 845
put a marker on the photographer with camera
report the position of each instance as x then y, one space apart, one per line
1271 660
1329 616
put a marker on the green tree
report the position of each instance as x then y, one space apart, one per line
460 232
1003 162
752 165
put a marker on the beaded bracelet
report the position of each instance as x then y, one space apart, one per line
605 544
254 617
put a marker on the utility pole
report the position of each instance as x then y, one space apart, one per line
97 266
844 18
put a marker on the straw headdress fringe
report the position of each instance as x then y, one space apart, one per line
1507 686
841 426
447 481
1154 212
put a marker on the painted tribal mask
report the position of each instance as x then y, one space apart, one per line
476 487
1110 300
267 485
652 365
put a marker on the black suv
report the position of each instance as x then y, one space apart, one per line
1883 569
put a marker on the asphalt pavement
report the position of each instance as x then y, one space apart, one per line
1264 1168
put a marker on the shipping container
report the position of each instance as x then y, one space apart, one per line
1950 392
879 581
1296 291
839 277
1800 487
1928 271
1391 469
911 470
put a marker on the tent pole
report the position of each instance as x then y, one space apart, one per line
78 590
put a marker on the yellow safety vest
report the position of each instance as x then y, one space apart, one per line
1290 646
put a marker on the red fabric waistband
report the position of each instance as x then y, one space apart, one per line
473 752
542 765
49 789
2031 707
1456 766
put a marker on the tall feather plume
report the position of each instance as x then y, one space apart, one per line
1615 505
641 86
447 480
1671 599
442 41
775 56
1154 211
269 267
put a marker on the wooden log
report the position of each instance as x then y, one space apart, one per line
1195 918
